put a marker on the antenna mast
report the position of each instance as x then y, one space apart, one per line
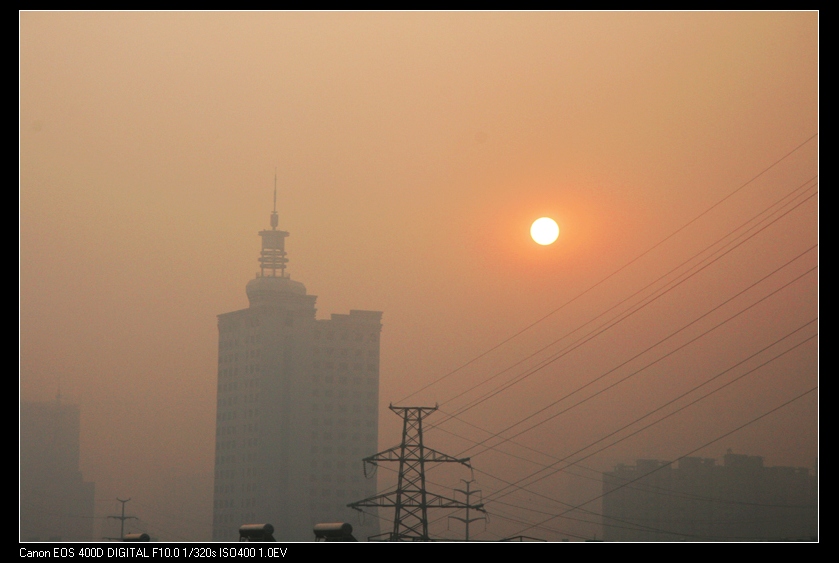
275 220
273 256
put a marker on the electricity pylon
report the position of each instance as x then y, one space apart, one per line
468 494
122 520
411 500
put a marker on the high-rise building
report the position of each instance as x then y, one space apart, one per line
740 500
56 503
297 407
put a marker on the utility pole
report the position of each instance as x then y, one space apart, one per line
468 493
411 500
122 520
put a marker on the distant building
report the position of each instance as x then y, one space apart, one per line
56 503
297 408
699 500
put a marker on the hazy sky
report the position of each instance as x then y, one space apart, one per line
413 150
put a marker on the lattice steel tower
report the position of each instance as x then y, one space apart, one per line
411 500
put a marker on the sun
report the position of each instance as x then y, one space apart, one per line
544 230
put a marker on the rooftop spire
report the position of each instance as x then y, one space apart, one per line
273 256
274 218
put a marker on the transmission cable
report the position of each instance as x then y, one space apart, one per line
670 463
628 312
584 292
553 469
614 321
660 358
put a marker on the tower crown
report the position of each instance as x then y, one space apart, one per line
272 283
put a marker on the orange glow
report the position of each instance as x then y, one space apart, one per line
413 151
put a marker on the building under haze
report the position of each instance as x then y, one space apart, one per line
56 503
699 500
297 408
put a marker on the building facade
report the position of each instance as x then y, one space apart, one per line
297 408
740 500
56 503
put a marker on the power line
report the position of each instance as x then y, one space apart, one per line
163 534
498 434
165 514
705 383
652 297
749 287
500 493
441 485
552 467
656 245
660 358
614 321
765 297
122 520
36 508
554 470
646 487
526 328
710 246
668 464
639 526
411 500
468 494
